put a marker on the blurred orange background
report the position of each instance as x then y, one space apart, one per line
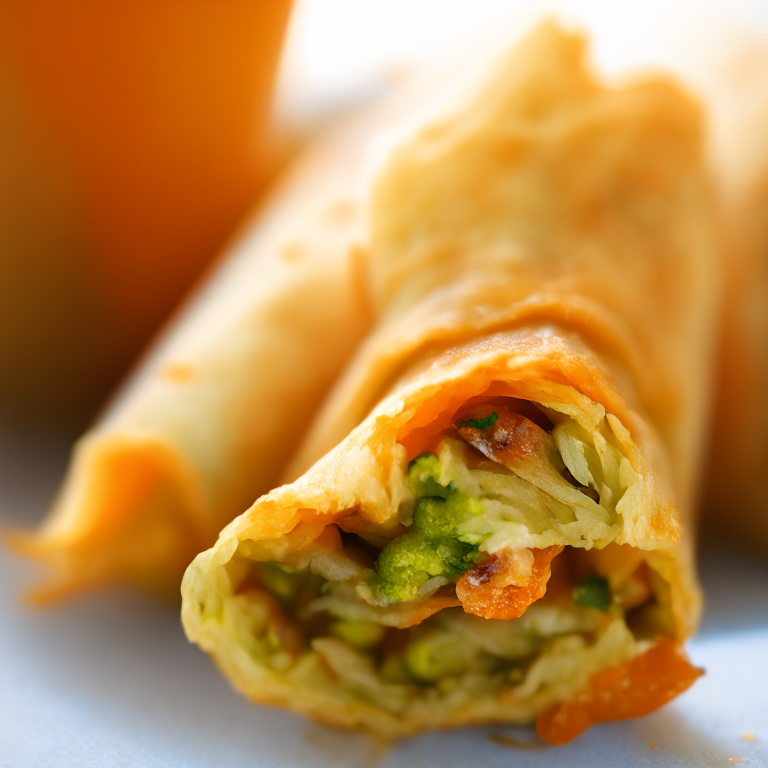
134 136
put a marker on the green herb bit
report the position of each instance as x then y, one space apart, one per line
488 421
593 592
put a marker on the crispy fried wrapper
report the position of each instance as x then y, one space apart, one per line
491 518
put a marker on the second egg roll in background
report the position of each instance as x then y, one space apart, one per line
532 402
209 420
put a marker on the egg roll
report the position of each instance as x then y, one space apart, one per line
208 421
496 522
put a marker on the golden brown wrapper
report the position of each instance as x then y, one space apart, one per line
208 421
540 236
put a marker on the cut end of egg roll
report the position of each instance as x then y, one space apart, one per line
489 546
496 527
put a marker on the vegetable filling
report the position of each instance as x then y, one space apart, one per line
503 577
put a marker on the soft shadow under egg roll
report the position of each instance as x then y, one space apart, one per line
500 530
210 418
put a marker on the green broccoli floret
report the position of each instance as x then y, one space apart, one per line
424 477
442 517
433 545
